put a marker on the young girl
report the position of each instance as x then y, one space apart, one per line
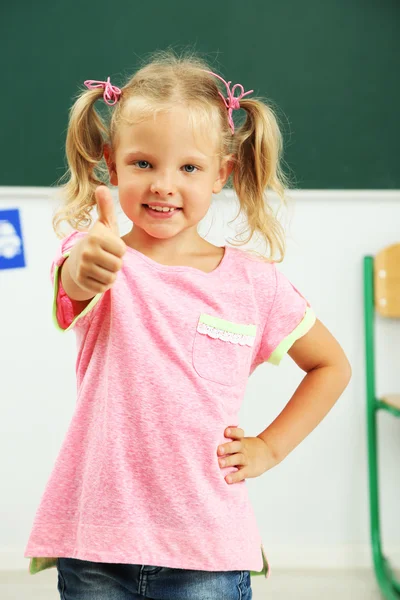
148 495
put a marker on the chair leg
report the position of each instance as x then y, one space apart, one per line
390 588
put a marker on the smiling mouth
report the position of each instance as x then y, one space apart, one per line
163 209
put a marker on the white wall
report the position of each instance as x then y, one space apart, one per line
313 508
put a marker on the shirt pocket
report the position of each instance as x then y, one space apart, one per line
223 349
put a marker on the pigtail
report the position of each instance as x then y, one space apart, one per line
84 153
258 149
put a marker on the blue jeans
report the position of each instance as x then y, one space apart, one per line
86 580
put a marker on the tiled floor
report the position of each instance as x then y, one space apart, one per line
282 585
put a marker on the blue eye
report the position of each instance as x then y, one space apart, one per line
191 167
142 164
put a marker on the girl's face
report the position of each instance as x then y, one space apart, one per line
159 161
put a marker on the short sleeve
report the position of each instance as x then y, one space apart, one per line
66 312
290 317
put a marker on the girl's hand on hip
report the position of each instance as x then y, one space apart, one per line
250 455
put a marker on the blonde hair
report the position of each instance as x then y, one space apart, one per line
168 79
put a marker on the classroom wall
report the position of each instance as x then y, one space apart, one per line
312 509
330 69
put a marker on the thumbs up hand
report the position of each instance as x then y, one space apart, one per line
96 259
105 209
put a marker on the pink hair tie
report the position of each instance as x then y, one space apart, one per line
232 102
111 92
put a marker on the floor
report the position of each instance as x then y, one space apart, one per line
282 585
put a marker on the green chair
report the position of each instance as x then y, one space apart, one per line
382 296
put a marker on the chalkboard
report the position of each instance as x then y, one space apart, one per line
331 68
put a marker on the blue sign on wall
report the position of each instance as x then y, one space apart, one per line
11 245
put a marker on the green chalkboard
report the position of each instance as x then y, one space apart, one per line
331 67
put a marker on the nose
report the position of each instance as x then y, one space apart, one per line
163 186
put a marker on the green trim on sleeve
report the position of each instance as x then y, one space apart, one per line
88 308
302 328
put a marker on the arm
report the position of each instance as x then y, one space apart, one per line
327 374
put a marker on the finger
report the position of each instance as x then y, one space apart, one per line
108 260
101 276
230 448
92 285
232 460
105 208
234 432
110 243
235 477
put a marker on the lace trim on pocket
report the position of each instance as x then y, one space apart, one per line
227 330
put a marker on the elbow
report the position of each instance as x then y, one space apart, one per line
341 368
345 371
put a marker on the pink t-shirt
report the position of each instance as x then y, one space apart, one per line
162 364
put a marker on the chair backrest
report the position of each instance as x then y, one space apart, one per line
387 281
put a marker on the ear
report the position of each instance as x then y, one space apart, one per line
225 169
109 158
